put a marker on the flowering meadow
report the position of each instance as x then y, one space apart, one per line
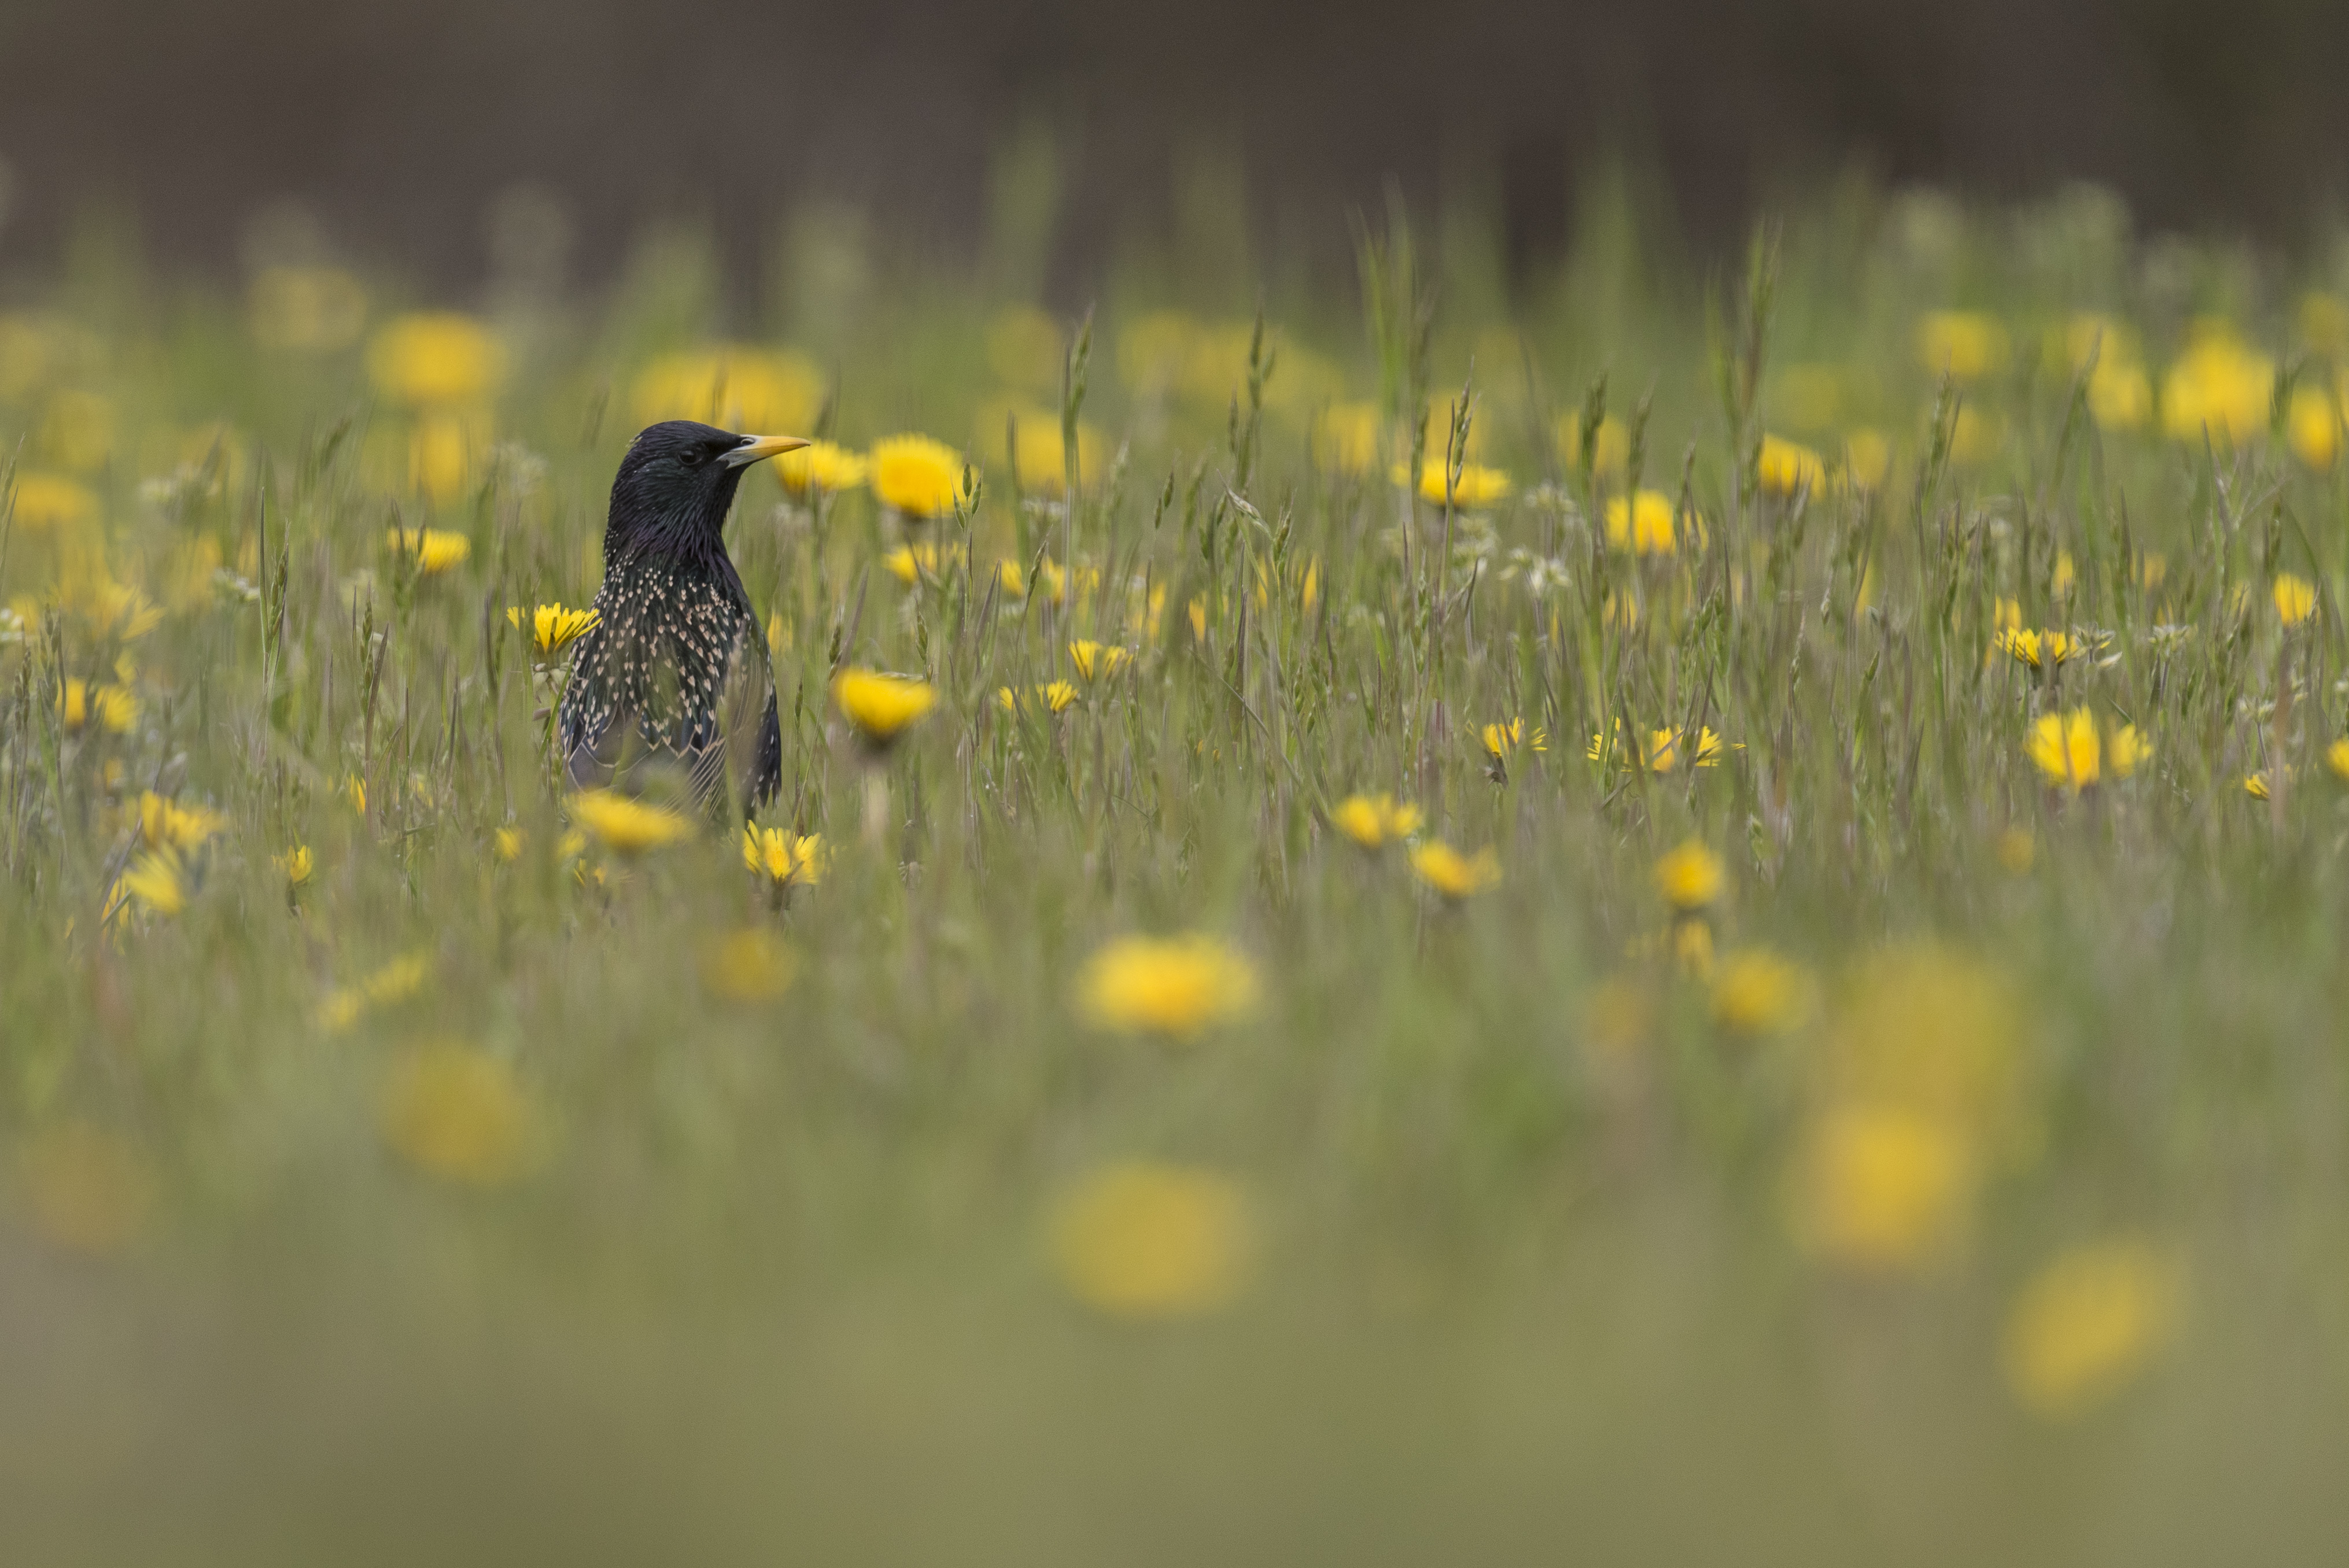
1647 910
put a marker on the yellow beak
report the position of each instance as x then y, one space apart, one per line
756 448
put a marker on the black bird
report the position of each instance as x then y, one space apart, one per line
672 686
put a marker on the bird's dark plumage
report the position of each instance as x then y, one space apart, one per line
673 681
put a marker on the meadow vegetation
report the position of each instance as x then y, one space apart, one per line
1639 909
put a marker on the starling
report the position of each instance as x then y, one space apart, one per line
672 688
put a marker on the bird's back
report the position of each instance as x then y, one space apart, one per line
672 688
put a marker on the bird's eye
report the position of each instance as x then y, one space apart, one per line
690 456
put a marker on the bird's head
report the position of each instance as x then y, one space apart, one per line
678 483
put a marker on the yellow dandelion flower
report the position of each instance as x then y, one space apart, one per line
1039 455
460 1114
113 708
2040 650
2086 1325
2313 426
1611 451
172 826
2295 598
751 965
395 982
1883 1187
1647 524
86 1189
1475 487
554 628
909 563
1152 1242
2070 751
1175 986
43 503
509 843
354 787
1789 468
2219 385
2336 758
1097 661
1965 344
297 865
628 826
784 858
1057 581
821 468
157 881
1454 875
1664 753
1691 877
1374 821
880 707
1506 736
1056 697
1868 458
434 550
2256 786
1757 992
433 358
1196 612
732 385
917 475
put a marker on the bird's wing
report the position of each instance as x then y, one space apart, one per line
741 766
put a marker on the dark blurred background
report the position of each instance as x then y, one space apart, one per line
399 125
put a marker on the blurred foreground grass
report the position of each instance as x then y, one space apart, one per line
1682 920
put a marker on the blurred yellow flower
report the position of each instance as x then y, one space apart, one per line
909 563
1691 877
1506 736
821 468
2313 426
1757 992
2219 385
157 881
168 825
916 476
2295 598
442 451
1346 437
2041 649
434 550
751 965
881 706
1147 1240
2336 758
732 385
86 1189
461 1114
298 864
554 628
1883 1187
1057 696
2086 1325
1646 525
1788 468
1374 821
1475 487
784 858
628 826
1097 661
1965 344
1175 986
435 359
1039 459
2072 751
395 982
2120 395
42 503
2256 786
1868 458
309 310
509 842
114 707
1454 875
1664 753
1610 447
